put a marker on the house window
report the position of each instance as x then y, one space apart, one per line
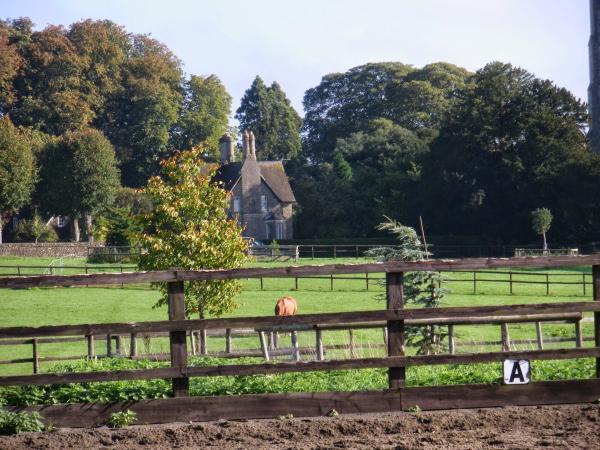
263 203
60 221
279 230
237 207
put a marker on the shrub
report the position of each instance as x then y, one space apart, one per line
13 423
121 419
35 230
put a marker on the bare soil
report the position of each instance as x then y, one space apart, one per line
570 426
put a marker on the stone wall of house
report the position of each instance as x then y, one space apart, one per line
51 250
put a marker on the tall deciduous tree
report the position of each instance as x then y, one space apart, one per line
189 229
49 95
269 114
17 170
103 48
345 103
140 116
10 63
79 177
204 115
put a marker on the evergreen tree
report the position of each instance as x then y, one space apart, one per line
269 114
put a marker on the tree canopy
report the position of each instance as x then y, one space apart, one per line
204 116
79 175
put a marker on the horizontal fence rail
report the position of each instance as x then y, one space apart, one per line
289 322
440 265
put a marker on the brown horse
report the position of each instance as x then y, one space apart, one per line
286 306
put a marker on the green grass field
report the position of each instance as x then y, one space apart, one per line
54 306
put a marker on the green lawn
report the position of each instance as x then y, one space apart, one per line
53 306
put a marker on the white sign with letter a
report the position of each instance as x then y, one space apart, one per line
517 371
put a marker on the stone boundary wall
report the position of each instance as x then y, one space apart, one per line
58 249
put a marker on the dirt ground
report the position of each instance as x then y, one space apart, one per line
570 426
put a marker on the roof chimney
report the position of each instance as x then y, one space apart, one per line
246 143
226 148
252 145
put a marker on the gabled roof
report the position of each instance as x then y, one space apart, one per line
272 173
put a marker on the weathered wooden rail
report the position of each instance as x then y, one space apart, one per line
477 277
396 317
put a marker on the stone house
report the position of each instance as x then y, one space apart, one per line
260 196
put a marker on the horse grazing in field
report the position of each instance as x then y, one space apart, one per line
286 306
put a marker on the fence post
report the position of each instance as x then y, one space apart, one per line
203 342
19 272
312 251
108 346
352 343
547 284
505 337
539 335
177 339
263 345
261 284
510 274
133 345
451 342
596 290
334 251
578 335
395 300
367 280
357 251
228 340
295 349
36 358
319 344
90 346
583 282
118 345
474 282
296 283
331 281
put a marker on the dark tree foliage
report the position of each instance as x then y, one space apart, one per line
269 114
374 173
510 146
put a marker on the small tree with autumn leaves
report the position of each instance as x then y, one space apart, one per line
189 229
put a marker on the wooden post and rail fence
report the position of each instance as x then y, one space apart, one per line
396 397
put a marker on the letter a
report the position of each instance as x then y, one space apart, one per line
516 372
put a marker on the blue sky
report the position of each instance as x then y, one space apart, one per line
297 42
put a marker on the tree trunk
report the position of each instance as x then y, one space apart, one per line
88 228
75 233
545 243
